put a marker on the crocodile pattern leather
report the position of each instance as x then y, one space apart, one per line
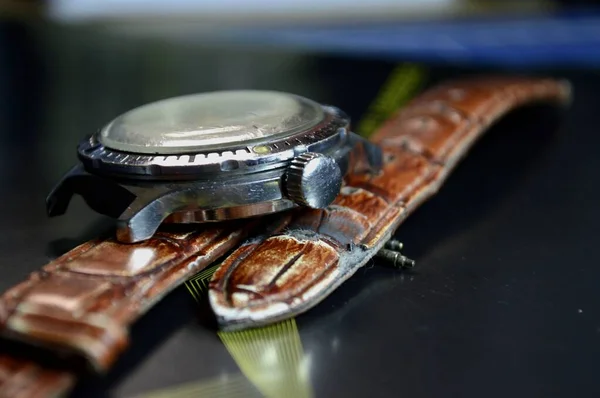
85 301
22 378
279 276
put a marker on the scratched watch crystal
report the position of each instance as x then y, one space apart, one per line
199 122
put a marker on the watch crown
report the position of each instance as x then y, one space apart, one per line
313 180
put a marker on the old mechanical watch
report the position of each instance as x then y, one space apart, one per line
268 163
212 157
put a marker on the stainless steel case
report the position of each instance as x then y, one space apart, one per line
263 176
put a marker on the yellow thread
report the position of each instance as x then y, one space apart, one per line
400 86
271 358
199 288
198 284
192 288
232 386
187 285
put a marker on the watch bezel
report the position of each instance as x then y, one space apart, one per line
260 155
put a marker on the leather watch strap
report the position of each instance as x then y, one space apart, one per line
23 378
85 301
282 275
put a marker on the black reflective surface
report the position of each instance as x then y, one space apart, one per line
504 299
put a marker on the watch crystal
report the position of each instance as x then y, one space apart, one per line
210 121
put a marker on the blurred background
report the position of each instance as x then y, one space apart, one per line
67 67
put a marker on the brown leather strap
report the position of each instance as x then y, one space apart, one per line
22 378
282 275
85 301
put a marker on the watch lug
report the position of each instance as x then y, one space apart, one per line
367 157
140 221
59 198
102 195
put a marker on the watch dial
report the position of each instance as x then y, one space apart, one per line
210 121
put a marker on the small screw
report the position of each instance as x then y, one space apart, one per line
394 257
394 245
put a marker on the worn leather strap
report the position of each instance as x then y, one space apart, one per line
23 378
279 276
85 301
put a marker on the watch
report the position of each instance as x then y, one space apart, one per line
274 266
212 157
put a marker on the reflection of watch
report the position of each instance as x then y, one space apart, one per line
212 157
283 264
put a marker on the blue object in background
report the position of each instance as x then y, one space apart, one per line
571 39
